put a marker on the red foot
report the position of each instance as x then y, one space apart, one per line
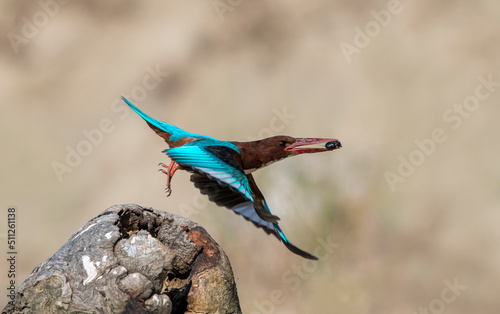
171 169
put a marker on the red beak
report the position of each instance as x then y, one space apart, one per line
329 144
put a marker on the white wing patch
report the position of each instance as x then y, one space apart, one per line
248 211
227 178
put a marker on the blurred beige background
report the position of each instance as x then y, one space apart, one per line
381 76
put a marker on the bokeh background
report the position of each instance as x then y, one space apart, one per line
230 70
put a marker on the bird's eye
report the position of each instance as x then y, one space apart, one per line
282 143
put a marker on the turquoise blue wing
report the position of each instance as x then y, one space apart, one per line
220 174
202 161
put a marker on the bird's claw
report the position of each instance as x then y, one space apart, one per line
171 169
168 190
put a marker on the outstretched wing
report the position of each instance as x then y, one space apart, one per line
223 195
278 232
218 162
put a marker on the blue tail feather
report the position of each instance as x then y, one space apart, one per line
175 132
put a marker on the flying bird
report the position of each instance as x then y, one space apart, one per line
222 170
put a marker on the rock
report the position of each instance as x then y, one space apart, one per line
131 259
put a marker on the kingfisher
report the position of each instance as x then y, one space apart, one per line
222 170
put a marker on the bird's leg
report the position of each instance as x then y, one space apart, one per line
171 169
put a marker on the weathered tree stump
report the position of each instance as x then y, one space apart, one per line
131 259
